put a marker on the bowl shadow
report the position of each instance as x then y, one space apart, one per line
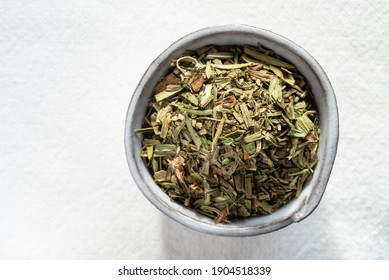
309 239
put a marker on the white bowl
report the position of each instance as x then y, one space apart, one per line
294 211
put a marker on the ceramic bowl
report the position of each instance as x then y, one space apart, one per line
313 190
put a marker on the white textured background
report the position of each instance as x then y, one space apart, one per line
67 72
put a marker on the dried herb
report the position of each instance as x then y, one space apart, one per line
231 132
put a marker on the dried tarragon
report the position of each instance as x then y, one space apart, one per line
231 132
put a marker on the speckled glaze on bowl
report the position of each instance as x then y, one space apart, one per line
294 211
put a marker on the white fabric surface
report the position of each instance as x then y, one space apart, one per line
67 72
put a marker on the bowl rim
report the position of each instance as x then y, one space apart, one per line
308 203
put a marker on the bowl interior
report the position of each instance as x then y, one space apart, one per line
313 190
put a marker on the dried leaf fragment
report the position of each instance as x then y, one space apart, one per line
196 81
178 167
170 79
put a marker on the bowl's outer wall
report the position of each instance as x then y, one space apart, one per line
324 97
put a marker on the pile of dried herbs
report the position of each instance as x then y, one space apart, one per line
231 132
